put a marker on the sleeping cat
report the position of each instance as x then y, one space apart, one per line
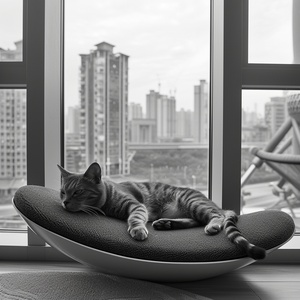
167 207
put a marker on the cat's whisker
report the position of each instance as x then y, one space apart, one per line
88 211
85 210
91 210
91 213
96 210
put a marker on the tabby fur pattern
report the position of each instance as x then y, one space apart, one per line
167 207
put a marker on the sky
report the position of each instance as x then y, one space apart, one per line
270 31
167 41
10 23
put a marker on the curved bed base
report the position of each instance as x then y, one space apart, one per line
162 271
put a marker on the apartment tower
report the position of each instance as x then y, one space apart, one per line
104 109
162 109
275 114
184 124
201 113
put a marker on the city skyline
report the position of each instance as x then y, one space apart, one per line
170 47
187 39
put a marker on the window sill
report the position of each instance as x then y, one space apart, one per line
293 243
13 238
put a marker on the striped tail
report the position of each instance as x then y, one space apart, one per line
235 236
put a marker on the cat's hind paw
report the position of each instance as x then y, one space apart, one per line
138 233
212 229
162 224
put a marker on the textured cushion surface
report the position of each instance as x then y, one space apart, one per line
267 229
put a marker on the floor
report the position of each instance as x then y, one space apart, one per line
258 281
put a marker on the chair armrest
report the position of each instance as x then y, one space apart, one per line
274 157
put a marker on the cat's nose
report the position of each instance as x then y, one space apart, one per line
69 206
65 204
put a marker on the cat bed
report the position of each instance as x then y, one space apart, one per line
176 255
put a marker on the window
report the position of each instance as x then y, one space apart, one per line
245 78
263 114
13 109
271 31
11 23
142 72
31 77
233 79
269 99
13 151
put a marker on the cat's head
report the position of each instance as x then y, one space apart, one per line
82 192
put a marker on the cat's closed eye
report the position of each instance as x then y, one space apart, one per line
78 192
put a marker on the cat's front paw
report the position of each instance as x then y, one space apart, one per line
139 233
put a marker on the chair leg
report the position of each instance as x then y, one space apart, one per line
290 207
283 196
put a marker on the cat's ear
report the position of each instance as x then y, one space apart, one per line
64 173
93 172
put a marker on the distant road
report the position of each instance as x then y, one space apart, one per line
182 145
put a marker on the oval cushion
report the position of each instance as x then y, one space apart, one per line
267 229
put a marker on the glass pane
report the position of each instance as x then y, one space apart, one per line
274 35
13 171
266 124
136 89
11 30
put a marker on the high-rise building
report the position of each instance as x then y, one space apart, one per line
151 104
13 134
166 118
201 112
104 109
275 114
135 111
72 119
72 140
73 152
184 124
163 109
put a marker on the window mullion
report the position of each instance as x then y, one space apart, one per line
226 104
35 103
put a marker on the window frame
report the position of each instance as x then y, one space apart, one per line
43 80
230 73
265 76
13 74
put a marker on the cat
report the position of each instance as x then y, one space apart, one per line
167 207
